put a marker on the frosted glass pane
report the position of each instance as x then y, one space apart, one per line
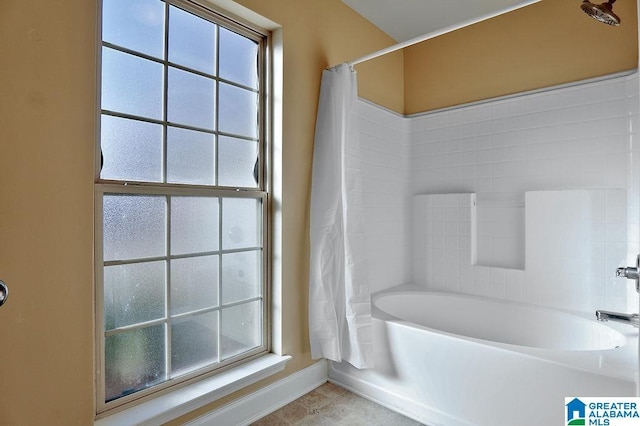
133 293
237 162
134 226
135 24
132 150
238 111
194 225
241 276
238 58
194 342
192 41
241 329
190 157
194 284
191 99
134 361
131 85
241 218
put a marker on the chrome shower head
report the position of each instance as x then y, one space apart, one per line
601 12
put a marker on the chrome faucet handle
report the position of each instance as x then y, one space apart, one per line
628 272
4 292
631 273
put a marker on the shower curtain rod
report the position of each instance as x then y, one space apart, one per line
439 32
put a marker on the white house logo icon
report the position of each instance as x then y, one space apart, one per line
576 412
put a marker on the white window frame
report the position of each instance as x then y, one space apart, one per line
257 362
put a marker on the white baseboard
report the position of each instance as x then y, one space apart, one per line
254 406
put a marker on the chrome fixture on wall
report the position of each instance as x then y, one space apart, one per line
631 273
631 319
4 292
601 12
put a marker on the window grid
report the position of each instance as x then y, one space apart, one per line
216 124
168 329
167 65
169 318
165 123
107 187
165 129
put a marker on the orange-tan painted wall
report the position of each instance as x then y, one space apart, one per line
47 144
47 141
545 44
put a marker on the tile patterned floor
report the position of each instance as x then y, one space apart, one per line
332 405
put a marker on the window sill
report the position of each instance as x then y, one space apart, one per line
186 399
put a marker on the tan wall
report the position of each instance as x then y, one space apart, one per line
545 44
47 134
47 115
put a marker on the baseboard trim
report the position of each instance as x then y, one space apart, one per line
258 404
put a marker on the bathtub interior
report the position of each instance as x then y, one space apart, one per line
604 349
499 321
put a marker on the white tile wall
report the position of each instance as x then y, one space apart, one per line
580 137
441 237
571 138
385 181
572 238
560 139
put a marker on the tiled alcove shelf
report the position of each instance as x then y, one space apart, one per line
569 240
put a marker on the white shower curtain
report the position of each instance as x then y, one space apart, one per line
339 296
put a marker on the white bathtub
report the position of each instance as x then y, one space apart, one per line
450 360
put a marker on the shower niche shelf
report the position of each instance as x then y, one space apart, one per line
498 231
457 231
453 234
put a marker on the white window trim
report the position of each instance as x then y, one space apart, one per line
190 397
178 402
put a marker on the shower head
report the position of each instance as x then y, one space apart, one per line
601 12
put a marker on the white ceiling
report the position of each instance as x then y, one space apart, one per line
407 19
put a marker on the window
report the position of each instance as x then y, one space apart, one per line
181 201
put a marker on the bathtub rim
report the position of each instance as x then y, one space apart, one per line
620 363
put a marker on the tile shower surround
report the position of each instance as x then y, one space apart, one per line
582 136
566 234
